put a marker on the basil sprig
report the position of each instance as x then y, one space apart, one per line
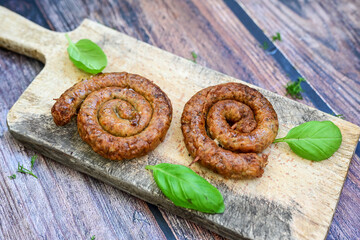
314 140
86 55
187 189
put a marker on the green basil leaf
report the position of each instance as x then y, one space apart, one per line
86 55
314 140
187 189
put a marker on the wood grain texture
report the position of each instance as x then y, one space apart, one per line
153 22
77 206
321 40
285 215
200 26
184 229
63 203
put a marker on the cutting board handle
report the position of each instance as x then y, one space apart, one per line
23 36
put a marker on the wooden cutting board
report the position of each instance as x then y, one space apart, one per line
295 198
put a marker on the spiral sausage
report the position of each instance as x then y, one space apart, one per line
242 123
121 116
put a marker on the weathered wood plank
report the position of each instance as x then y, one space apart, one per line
62 203
285 215
320 39
184 229
188 229
178 41
154 22
215 38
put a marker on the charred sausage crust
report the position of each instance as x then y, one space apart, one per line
232 151
137 114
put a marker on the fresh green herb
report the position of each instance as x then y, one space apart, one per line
265 45
33 158
194 55
86 55
294 88
314 140
21 169
92 238
12 176
187 189
340 116
276 37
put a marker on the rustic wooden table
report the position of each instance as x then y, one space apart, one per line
320 42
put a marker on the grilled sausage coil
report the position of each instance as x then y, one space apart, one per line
121 116
225 127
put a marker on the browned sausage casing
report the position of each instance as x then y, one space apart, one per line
225 127
121 116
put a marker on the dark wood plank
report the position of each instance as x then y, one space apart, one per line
184 229
208 28
109 201
278 214
62 203
321 40
196 30
346 221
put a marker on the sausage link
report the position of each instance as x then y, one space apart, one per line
121 115
225 127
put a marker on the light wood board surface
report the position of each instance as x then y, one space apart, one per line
294 199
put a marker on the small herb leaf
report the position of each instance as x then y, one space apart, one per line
314 140
86 55
33 158
12 176
187 189
265 45
294 88
194 55
339 116
21 169
276 37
